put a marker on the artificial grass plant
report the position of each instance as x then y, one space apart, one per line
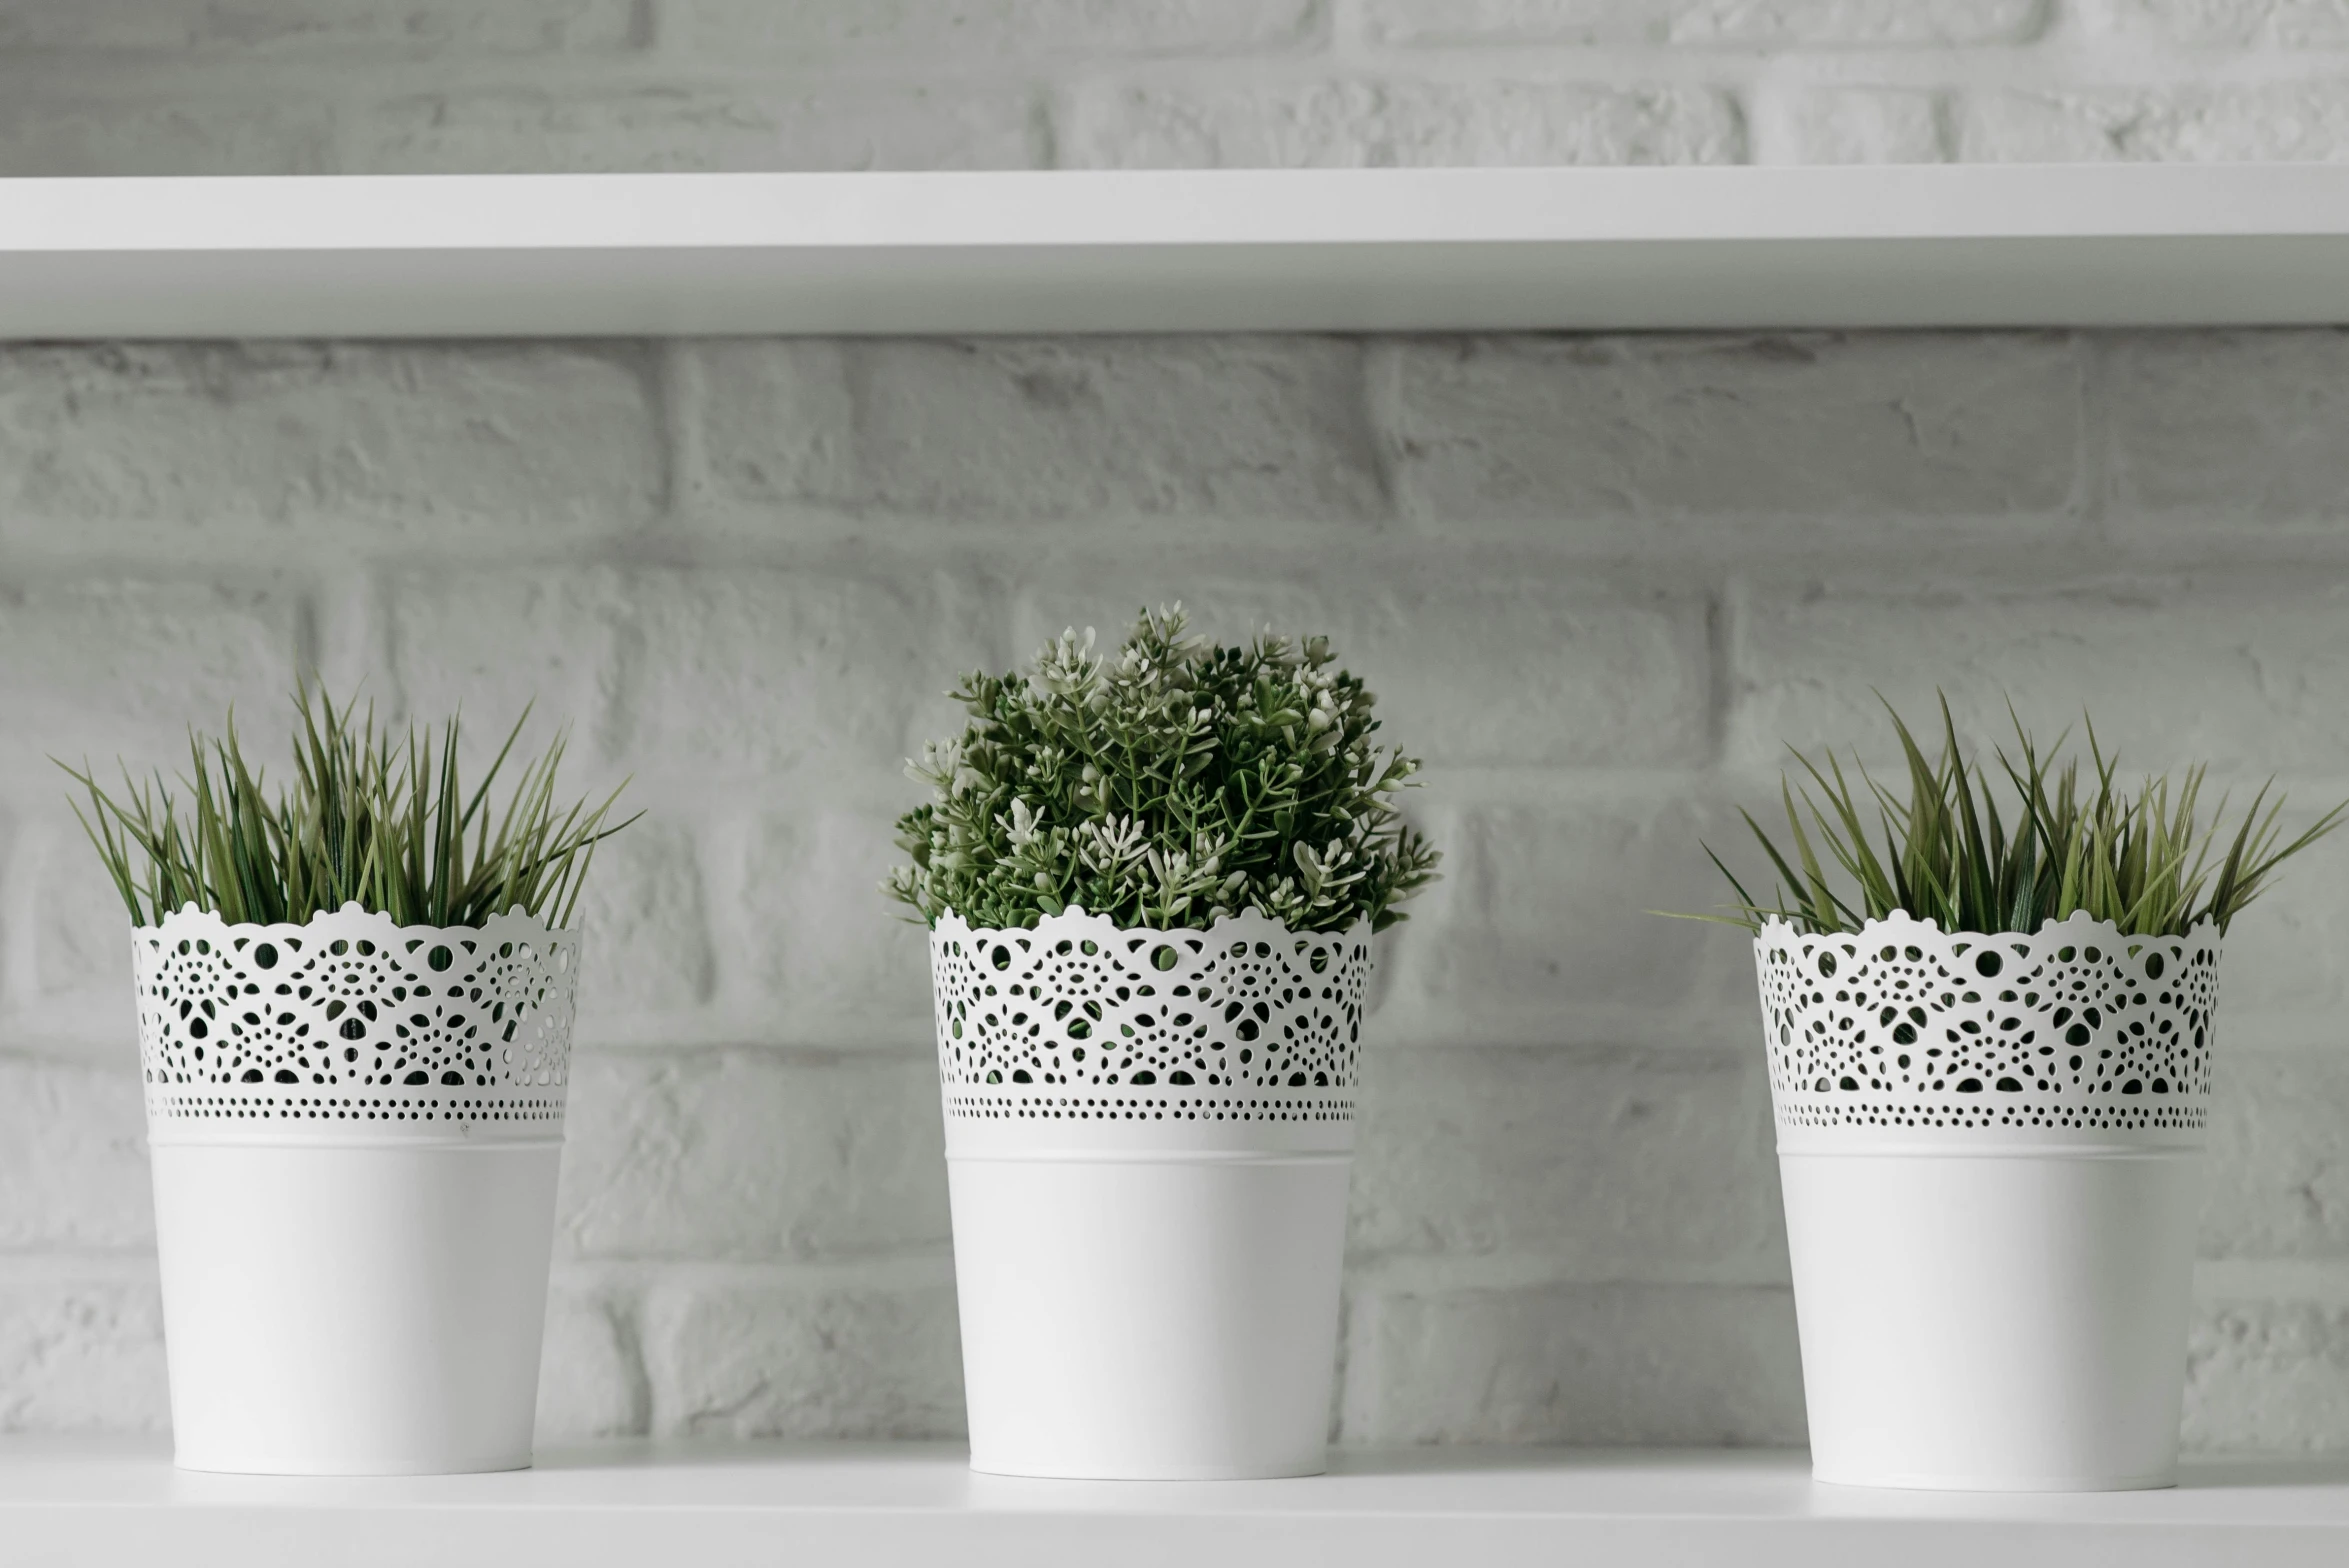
2142 860
370 821
1167 785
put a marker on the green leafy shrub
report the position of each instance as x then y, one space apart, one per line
2142 861
1166 787
367 821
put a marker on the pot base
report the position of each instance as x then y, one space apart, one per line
1170 1474
2008 1320
1156 1316
2005 1483
354 1310
245 1465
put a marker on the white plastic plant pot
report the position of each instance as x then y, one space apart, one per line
1991 1148
356 1128
1148 1140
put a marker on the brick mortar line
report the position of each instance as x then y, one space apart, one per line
1440 1273
909 1268
1992 67
91 77
71 1266
2310 1281
2115 53
1851 550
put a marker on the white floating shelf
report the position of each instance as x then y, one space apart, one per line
1175 251
882 1506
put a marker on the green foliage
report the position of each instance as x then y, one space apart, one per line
1174 784
367 821
2141 861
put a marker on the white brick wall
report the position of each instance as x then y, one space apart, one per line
1597 581
306 86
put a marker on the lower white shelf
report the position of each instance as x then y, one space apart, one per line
697 1505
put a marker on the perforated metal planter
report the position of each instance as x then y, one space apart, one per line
356 1128
1991 1148
1148 1137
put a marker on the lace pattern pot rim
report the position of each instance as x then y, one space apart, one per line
1902 1027
356 1022
354 910
1259 924
1245 1019
2079 919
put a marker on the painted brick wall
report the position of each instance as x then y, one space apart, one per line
1596 579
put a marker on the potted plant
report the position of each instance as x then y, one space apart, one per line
1151 881
355 1002
1990 1044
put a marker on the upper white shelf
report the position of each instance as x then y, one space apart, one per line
66 1500
1174 251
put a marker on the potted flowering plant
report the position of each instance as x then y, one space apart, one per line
1150 880
1990 1043
355 1003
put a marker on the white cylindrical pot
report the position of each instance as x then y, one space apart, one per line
1149 1135
356 1128
1991 1149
